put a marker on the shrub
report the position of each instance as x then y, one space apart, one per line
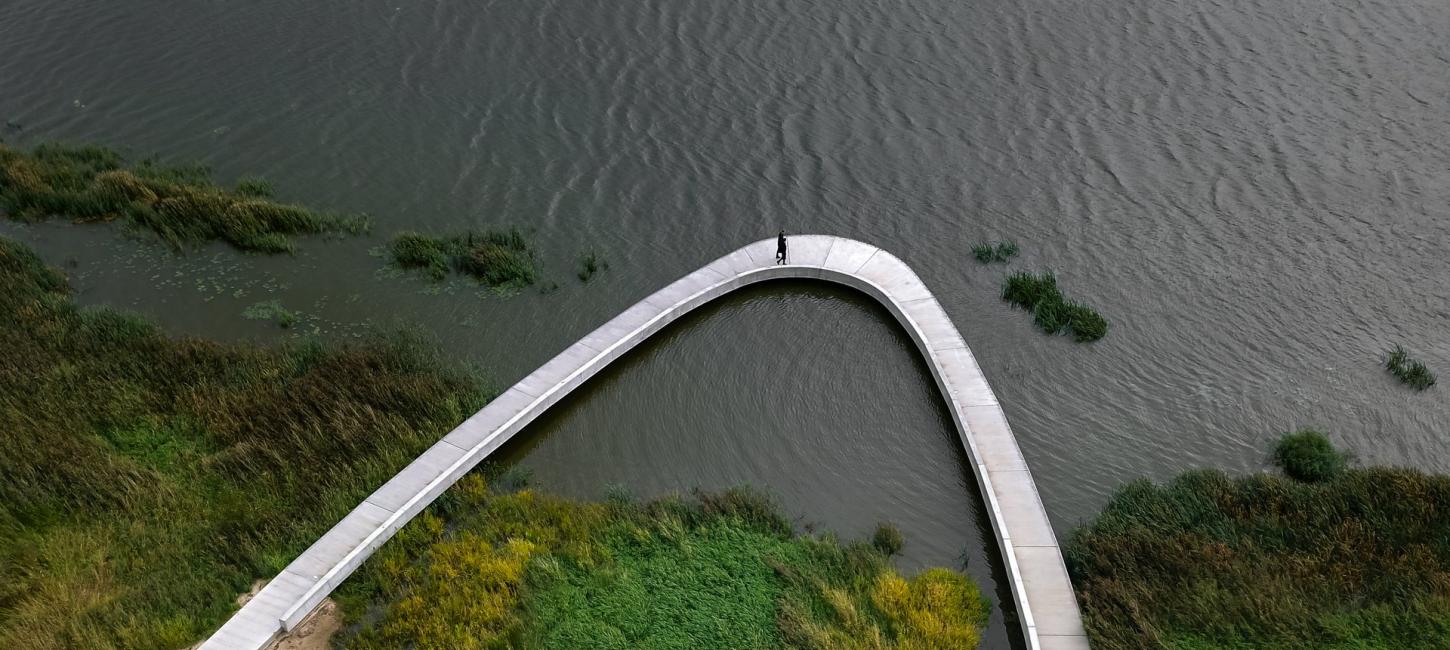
1410 372
887 539
1308 456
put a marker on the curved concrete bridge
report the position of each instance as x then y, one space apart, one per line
1040 588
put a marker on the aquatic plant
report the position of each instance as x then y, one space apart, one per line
527 570
494 258
1307 455
271 310
589 264
1410 372
888 539
1038 293
989 252
1265 561
145 480
179 204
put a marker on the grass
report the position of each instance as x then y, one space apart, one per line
1358 558
1410 372
179 204
1038 294
990 252
1308 456
494 258
271 310
146 480
589 264
485 568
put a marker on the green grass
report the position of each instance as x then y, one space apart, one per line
271 310
494 258
1358 558
1308 456
179 204
1410 372
1051 312
589 264
484 569
990 252
146 481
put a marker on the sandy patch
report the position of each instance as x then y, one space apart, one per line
315 632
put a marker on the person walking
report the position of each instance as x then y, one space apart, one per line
780 248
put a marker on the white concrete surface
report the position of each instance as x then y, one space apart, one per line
1046 606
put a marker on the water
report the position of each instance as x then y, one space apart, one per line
1253 192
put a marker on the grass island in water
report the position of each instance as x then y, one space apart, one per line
179 204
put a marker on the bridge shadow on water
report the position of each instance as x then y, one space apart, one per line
808 390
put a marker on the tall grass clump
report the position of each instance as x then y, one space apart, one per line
146 480
1410 372
1053 314
179 204
1307 455
271 310
989 252
1357 558
715 570
589 264
494 258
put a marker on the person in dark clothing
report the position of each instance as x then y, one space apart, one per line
780 248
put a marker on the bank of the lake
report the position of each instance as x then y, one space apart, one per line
1320 557
147 480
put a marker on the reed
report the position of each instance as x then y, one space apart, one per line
179 204
146 480
494 258
1051 312
1410 372
1349 558
994 252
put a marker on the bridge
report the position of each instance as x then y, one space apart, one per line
1046 607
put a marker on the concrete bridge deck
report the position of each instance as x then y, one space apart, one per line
1043 595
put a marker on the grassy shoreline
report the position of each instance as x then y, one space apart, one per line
179 204
145 480
1322 557
485 569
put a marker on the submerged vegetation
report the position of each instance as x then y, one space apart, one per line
494 258
1410 372
989 252
487 569
1326 557
145 481
1038 293
180 204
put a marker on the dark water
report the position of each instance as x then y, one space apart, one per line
1255 193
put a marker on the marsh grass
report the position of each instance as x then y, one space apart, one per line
715 570
1358 558
990 252
502 259
179 204
589 264
1051 312
145 480
271 310
1410 372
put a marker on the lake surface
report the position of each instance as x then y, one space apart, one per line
1255 193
